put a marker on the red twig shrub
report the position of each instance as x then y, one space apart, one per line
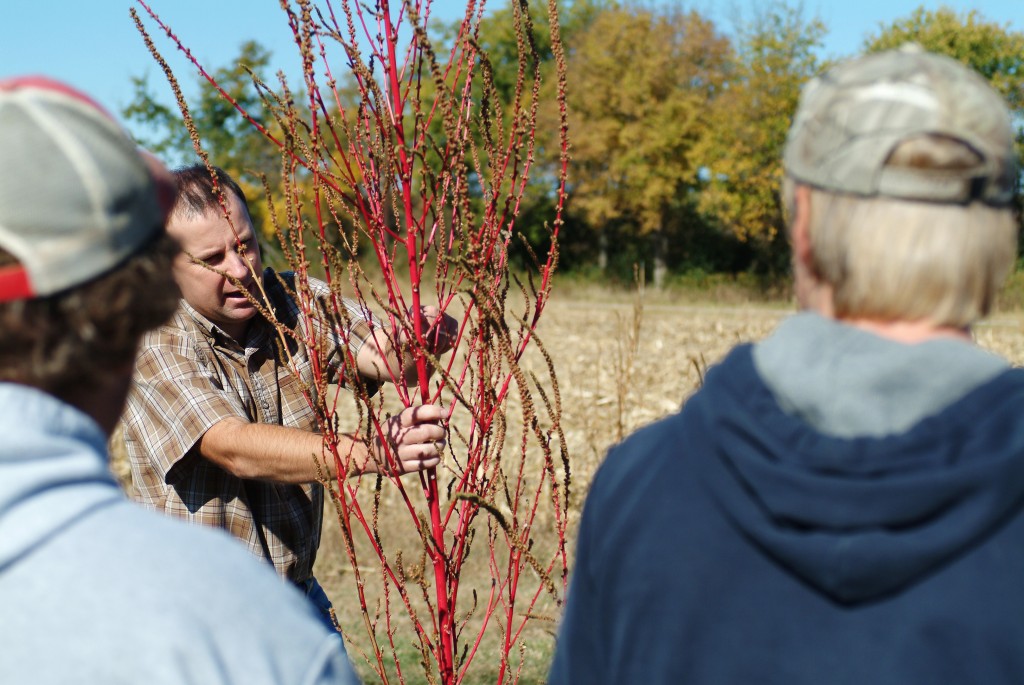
403 171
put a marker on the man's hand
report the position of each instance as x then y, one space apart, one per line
439 330
377 359
416 439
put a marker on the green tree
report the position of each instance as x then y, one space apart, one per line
742 156
993 50
496 36
232 142
641 82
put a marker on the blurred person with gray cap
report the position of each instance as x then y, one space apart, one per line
842 502
93 588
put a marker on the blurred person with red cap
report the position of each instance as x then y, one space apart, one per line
94 588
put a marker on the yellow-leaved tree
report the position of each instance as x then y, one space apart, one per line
642 80
742 155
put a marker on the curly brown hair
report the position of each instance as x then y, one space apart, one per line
66 342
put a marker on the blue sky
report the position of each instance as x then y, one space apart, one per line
93 44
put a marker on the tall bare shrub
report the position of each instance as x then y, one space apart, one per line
403 172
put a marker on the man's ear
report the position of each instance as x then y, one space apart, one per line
799 232
811 291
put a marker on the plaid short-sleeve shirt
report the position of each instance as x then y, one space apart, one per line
190 375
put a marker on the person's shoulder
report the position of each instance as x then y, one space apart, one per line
669 441
632 461
993 402
177 333
198 581
319 288
1009 380
179 341
167 546
282 286
736 368
277 280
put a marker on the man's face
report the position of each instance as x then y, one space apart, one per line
210 239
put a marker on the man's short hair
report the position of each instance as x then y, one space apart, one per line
888 259
196 190
910 161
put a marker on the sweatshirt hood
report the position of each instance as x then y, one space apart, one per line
53 470
860 518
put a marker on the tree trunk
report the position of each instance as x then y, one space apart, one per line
602 249
659 244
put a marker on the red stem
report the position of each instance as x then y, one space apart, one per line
350 168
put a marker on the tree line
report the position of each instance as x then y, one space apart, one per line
677 124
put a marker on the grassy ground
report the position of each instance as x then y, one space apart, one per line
621 363
619 366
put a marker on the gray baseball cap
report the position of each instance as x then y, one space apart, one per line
77 197
852 118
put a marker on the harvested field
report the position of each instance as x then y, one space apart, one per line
619 366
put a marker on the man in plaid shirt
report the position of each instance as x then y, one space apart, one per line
219 428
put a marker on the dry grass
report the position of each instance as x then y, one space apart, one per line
619 367
675 342
668 347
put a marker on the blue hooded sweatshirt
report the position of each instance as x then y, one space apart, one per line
740 542
93 589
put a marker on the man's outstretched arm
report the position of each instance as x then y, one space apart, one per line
289 455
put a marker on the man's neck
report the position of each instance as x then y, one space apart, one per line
812 295
910 332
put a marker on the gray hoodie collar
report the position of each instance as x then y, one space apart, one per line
847 382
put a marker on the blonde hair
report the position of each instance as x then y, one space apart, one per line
894 259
